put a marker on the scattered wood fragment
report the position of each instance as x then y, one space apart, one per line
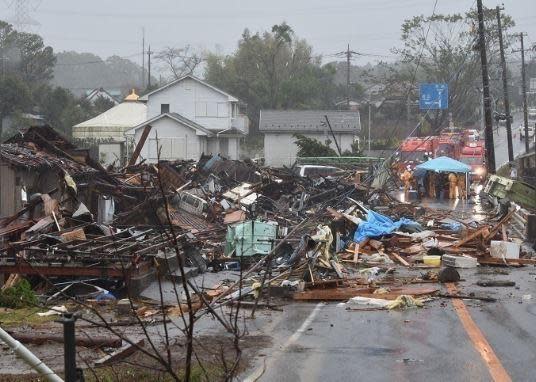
497 261
472 236
399 259
86 341
120 353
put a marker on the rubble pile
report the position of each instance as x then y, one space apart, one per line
309 238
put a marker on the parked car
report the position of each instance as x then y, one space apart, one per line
316 171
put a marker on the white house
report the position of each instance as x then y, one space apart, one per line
107 130
188 117
279 127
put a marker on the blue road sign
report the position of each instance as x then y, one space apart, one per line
434 96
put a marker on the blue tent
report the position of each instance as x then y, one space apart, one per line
444 164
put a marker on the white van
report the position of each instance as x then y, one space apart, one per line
316 171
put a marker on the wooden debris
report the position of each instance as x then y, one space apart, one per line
86 341
120 353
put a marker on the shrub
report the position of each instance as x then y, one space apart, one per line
18 296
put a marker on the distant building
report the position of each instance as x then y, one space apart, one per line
189 117
279 127
111 95
107 130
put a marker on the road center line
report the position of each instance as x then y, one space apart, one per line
496 369
293 338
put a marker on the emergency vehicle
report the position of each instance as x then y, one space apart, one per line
414 151
474 155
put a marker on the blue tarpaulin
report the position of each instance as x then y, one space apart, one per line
378 225
444 164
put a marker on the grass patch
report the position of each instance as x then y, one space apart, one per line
23 316
120 373
129 373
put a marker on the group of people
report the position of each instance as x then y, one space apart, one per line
429 183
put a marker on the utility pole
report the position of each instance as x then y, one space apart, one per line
149 67
490 147
524 91
143 57
369 123
505 90
348 54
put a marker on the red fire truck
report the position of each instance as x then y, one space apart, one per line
473 154
413 151
448 145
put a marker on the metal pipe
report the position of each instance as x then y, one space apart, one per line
69 347
28 357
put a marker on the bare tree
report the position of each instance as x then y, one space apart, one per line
179 61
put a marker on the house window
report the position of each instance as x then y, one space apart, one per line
164 108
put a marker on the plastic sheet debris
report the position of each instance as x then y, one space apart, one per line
378 225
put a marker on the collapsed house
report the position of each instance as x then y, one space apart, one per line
66 217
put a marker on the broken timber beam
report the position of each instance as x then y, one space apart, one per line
139 146
89 342
120 353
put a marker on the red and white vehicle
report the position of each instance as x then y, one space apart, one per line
413 151
474 155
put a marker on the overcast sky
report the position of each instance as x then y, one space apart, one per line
108 27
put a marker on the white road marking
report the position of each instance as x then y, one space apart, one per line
292 339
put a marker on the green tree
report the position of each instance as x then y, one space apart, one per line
310 147
274 70
102 104
14 97
61 109
443 49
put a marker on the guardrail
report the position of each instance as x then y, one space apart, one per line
338 160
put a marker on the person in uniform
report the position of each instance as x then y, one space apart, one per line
431 184
406 178
453 182
461 186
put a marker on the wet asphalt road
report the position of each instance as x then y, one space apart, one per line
325 342
428 344
501 142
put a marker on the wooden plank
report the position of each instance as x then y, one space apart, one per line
493 261
496 228
503 231
470 237
400 259
120 353
140 145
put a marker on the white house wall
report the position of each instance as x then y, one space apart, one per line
194 101
280 149
175 140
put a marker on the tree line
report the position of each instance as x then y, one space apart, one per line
274 69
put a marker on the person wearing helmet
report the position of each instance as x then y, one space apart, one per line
453 182
406 178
